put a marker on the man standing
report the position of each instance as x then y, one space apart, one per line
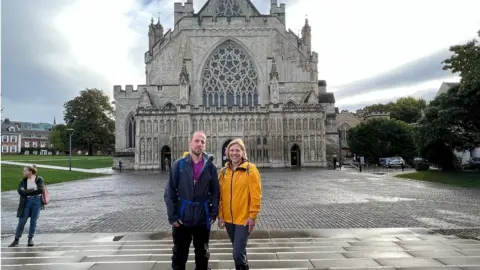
191 196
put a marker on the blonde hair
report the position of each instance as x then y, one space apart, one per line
240 143
32 168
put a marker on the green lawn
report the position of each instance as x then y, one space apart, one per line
11 176
84 162
462 179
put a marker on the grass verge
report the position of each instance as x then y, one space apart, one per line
12 174
84 162
461 179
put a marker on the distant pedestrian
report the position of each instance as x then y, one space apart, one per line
30 190
120 165
240 200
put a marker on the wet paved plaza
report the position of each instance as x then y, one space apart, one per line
292 199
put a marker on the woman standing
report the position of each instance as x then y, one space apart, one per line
240 199
30 190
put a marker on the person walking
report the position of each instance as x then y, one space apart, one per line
30 190
240 200
191 197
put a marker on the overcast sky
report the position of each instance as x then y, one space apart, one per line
369 50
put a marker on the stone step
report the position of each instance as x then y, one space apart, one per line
386 249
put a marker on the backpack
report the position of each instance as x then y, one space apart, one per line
45 194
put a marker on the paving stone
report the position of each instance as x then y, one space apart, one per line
409 262
315 248
434 253
461 260
360 263
429 268
123 266
56 259
477 246
419 248
117 258
31 254
319 200
356 268
190 265
309 255
470 252
59 266
377 254
374 248
374 244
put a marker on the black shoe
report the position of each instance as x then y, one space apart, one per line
14 243
30 242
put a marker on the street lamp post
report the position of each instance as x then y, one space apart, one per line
70 131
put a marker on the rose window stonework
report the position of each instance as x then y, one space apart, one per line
229 77
228 8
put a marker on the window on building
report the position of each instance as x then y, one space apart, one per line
4 138
228 8
35 144
11 129
13 138
26 144
13 149
42 144
131 132
229 73
4 149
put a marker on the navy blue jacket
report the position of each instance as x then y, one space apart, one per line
182 192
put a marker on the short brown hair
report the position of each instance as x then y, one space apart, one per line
32 168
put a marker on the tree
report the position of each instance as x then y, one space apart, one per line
406 109
59 137
382 138
91 116
451 120
465 98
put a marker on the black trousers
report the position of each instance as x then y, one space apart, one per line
182 237
238 235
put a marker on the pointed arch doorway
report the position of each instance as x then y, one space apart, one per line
166 158
295 156
224 153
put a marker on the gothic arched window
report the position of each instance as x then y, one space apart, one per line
131 132
228 8
230 72
344 131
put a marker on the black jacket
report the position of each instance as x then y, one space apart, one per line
181 186
24 192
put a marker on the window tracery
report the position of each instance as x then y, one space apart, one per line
229 77
228 8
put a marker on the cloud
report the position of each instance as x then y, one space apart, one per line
37 71
415 72
425 90
53 49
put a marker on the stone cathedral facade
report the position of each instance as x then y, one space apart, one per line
232 72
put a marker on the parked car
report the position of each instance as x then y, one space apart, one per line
421 164
474 163
395 162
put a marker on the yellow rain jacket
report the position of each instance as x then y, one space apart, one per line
240 193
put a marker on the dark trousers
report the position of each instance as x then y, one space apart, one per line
182 237
32 211
238 235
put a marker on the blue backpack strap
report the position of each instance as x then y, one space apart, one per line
181 166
